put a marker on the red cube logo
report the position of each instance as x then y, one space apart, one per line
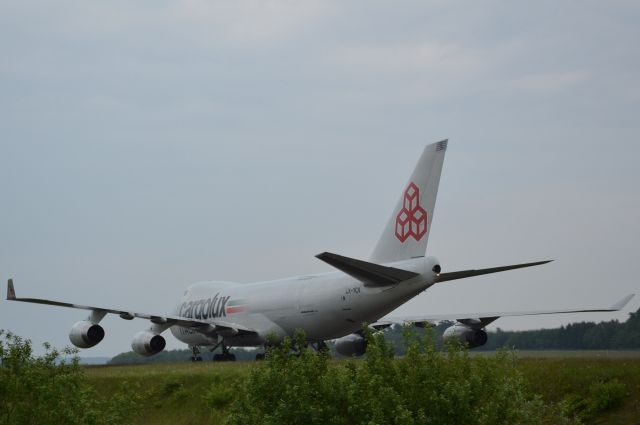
412 218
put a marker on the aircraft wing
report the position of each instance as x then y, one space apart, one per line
214 325
480 320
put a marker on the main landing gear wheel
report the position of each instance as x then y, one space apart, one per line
195 356
259 356
226 356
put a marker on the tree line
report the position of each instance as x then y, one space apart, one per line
611 335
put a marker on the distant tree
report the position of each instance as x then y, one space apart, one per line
575 336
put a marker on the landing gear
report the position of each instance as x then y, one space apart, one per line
321 346
226 356
195 356
259 356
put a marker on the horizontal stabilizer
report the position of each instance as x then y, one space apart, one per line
443 277
370 274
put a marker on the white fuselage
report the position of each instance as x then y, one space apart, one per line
325 306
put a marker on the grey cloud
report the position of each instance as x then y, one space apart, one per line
148 145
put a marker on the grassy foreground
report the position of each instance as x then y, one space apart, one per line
178 393
573 378
201 392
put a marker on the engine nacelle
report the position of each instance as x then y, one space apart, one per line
351 345
85 334
472 337
146 343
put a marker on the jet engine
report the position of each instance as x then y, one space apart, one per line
85 334
351 345
147 343
472 337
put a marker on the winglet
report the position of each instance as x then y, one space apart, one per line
11 292
620 304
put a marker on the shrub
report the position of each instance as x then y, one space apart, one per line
601 396
426 386
219 396
48 390
606 395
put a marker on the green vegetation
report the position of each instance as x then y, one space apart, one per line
557 380
183 393
42 390
426 386
290 389
611 335
595 390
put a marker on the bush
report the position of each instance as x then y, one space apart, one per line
48 390
426 386
219 395
602 396
606 395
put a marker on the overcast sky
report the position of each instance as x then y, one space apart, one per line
147 145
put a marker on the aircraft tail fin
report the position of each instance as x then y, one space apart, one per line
407 230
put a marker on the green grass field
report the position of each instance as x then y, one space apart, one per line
171 393
182 393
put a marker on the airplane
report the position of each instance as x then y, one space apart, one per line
330 306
